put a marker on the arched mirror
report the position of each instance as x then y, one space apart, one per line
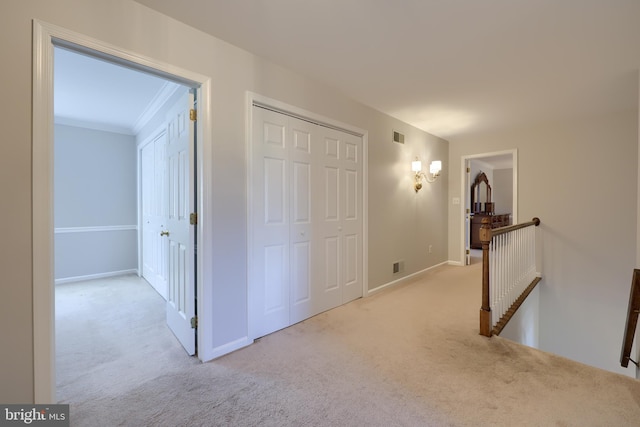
481 195
482 206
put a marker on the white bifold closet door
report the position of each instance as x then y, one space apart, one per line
306 221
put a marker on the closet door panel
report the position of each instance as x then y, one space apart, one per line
302 168
351 217
328 226
270 268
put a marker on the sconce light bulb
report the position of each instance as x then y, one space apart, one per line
435 167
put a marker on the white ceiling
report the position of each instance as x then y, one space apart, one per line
448 67
92 93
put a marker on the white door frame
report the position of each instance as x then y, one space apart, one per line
291 110
45 36
465 192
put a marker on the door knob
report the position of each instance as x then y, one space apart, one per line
164 233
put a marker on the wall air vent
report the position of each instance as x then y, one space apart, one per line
398 267
398 137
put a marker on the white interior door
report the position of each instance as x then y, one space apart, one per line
179 233
154 213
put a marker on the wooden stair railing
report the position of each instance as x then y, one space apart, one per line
488 326
632 320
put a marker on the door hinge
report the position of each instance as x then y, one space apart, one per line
194 322
468 210
193 219
193 115
468 170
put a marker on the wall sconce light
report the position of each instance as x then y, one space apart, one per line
434 171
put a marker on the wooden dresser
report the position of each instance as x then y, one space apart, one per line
497 221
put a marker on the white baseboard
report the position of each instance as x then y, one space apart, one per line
403 279
456 263
95 276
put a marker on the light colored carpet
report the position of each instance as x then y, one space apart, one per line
409 356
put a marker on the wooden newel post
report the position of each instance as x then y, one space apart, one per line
485 310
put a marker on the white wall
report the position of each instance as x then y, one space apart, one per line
580 179
94 177
91 254
94 191
524 326
401 223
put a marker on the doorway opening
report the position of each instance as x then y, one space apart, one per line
43 171
499 172
112 215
